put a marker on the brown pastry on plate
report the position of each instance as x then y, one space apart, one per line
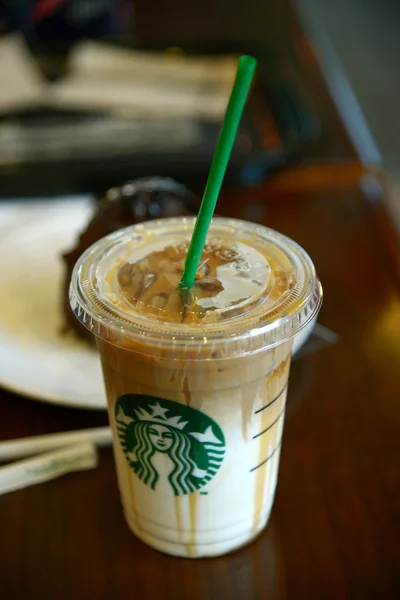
134 202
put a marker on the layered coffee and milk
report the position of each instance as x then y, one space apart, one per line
197 381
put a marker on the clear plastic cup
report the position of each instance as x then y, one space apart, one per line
197 412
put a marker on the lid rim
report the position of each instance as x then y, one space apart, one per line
97 328
289 324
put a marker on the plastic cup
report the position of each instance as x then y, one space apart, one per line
197 412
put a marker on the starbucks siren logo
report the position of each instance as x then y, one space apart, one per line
167 444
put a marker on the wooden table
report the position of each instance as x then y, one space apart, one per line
334 531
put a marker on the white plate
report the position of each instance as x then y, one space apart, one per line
36 359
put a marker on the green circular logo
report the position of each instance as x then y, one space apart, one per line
170 446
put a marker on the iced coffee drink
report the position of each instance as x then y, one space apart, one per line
197 380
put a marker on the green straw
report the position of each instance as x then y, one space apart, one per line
244 75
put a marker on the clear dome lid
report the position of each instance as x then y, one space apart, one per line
260 288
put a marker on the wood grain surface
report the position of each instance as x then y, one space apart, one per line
334 531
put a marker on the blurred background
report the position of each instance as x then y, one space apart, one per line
95 92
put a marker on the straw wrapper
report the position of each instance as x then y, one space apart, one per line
47 466
14 449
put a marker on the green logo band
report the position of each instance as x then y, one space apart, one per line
193 445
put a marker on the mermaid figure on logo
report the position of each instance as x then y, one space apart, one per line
195 456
